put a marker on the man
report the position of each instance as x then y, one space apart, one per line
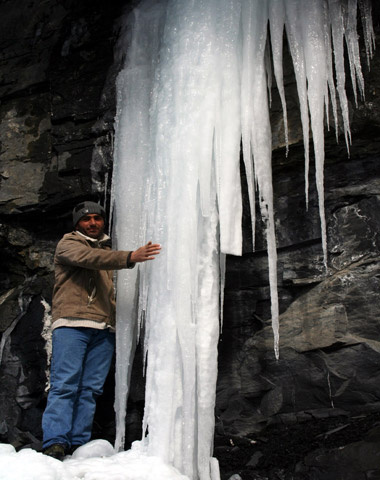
83 327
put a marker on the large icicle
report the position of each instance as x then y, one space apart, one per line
194 88
257 137
132 125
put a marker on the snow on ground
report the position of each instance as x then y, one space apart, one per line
96 460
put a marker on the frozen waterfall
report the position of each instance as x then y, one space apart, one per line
193 89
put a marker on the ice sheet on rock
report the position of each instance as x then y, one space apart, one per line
193 91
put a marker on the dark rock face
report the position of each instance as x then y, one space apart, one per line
57 72
329 327
355 461
23 376
335 448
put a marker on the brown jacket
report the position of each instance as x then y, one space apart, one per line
84 278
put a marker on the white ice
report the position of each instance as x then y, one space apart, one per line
193 90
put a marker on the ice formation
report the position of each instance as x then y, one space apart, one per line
193 89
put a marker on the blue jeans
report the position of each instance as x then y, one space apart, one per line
81 360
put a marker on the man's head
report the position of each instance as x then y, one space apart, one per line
89 218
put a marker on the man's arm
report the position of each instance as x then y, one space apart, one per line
72 252
146 252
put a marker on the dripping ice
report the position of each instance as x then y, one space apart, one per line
193 89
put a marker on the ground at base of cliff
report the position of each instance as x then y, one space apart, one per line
333 448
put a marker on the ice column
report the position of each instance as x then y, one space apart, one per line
193 89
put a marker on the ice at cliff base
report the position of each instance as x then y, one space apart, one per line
194 88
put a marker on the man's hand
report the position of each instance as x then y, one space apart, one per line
147 252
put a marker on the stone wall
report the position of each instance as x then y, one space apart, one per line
57 72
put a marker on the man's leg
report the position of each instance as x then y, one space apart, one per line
69 350
96 367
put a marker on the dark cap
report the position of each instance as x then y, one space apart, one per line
86 208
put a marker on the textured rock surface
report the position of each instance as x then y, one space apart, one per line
57 105
56 90
359 460
333 448
57 75
329 327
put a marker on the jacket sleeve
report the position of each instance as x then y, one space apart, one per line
74 253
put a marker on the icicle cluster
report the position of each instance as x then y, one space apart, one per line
193 89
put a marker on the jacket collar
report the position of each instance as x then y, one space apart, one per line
103 239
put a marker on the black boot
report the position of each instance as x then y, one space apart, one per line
57 450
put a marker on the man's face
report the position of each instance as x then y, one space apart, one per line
91 225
